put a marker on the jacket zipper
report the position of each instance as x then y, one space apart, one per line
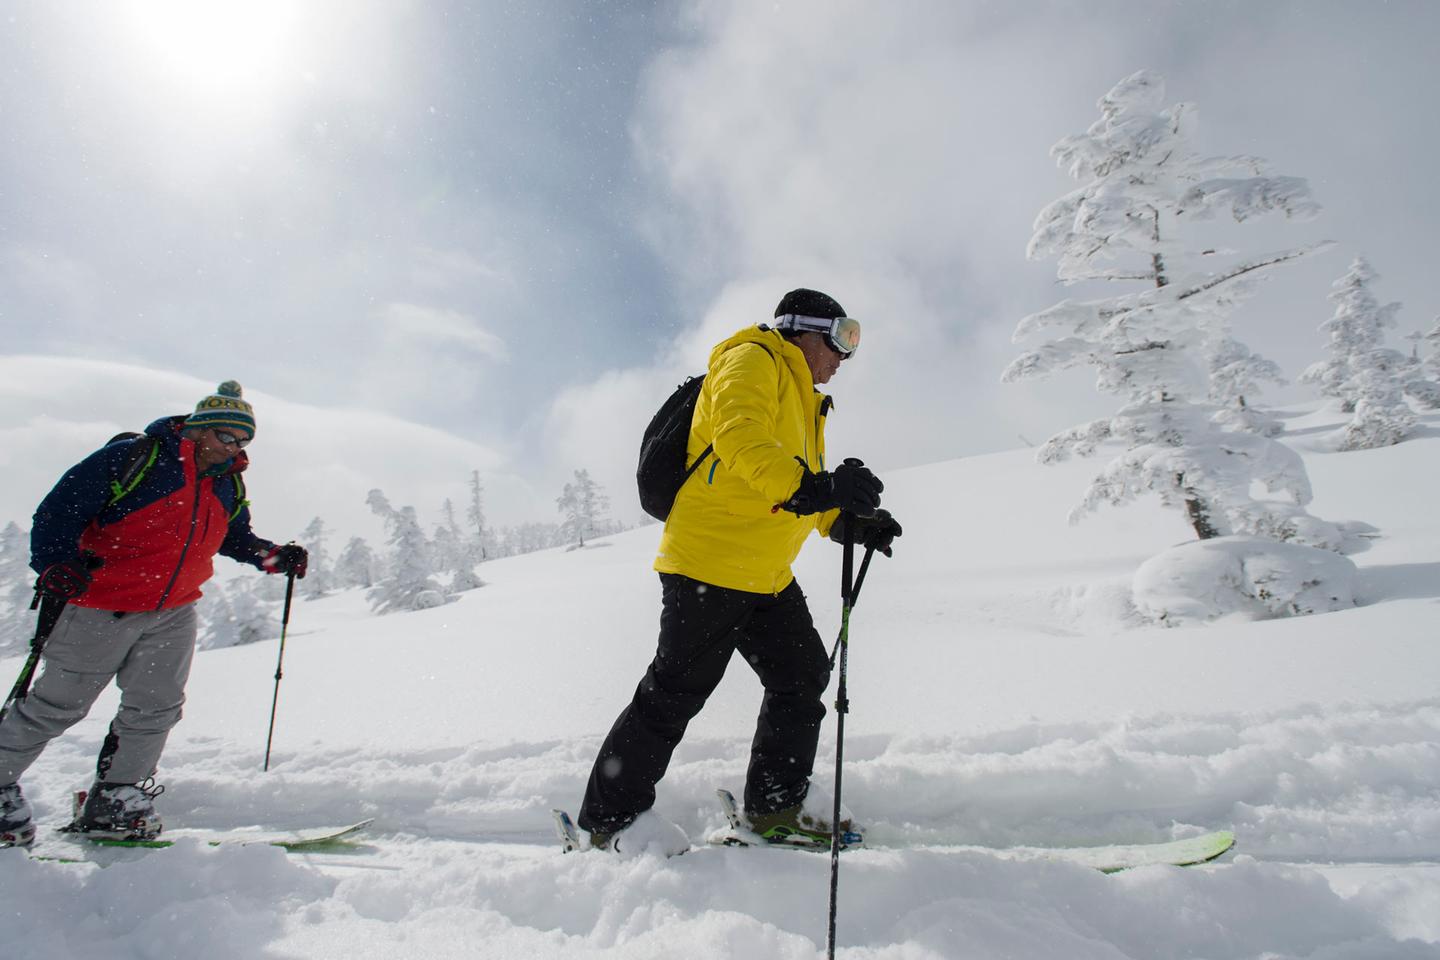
194 519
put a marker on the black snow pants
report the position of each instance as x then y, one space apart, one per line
700 627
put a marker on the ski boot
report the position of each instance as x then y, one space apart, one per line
16 827
648 832
797 827
118 811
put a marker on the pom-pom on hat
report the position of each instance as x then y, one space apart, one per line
224 410
809 303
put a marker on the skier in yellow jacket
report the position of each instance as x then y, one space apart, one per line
724 562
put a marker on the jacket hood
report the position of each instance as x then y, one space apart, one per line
771 340
166 428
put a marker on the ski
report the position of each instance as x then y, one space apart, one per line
739 834
1107 859
568 833
1127 856
298 841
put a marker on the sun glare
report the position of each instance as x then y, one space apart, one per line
213 42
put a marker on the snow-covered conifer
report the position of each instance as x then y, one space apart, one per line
1236 373
455 553
583 505
218 626
409 584
319 577
255 619
1419 385
1367 378
1357 326
1431 340
1141 184
475 517
1381 416
357 565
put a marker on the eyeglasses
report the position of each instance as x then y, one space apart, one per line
841 333
230 440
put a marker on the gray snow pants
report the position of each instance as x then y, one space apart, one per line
148 655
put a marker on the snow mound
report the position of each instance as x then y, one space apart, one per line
650 834
1206 579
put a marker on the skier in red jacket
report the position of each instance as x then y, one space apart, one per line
122 545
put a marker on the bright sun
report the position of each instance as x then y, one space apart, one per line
214 42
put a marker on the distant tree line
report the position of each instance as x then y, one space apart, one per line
411 571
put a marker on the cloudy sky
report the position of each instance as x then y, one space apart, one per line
515 226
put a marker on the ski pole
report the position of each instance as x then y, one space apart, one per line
849 591
854 596
284 626
50 609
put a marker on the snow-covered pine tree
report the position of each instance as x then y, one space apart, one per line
17 589
1236 373
1431 339
455 552
409 584
475 517
1418 384
255 619
1141 184
357 565
583 505
319 577
1365 376
445 541
218 626
1357 326
1382 417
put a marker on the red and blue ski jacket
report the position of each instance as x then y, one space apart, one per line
158 541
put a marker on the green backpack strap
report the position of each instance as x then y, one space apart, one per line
240 502
142 457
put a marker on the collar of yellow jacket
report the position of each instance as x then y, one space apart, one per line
770 339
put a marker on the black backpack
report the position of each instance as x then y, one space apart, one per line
661 471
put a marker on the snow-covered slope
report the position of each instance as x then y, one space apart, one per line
1001 694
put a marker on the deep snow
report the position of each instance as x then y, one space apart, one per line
1003 693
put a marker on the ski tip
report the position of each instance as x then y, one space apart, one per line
566 831
730 808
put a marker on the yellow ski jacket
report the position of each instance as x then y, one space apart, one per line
760 409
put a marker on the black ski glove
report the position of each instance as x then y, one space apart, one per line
290 558
68 579
873 533
851 487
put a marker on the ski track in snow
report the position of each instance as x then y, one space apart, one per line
461 861
1353 783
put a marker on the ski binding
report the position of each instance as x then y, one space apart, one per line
739 834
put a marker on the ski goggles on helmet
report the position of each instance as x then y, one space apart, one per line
841 333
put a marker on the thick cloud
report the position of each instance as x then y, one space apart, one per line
897 156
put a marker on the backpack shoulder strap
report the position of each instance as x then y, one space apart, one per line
709 449
141 458
240 502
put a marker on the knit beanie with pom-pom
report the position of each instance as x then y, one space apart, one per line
224 409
